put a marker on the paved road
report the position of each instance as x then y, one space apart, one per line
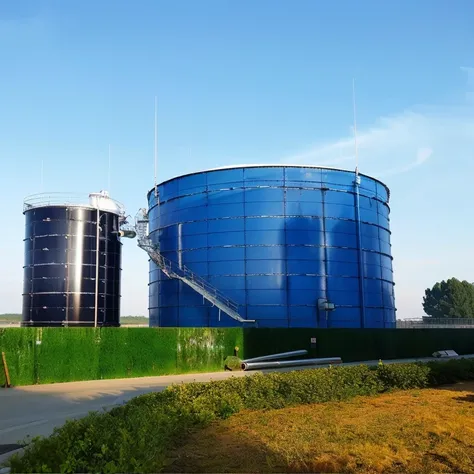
36 409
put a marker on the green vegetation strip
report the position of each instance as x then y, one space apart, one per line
137 437
45 355
51 355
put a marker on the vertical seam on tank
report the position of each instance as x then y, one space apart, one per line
158 283
68 234
119 287
360 255
32 273
104 292
245 246
287 278
325 251
380 262
207 306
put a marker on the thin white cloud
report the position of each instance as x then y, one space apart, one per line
421 157
399 143
470 82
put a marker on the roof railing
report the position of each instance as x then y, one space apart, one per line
72 200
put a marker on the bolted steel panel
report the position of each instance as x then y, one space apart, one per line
276 239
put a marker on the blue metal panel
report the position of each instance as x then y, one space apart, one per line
266 282
259 267
197 255
195 183
305 267
226 196
342 255
304 297
306 282
228 282
265 253
219 211
225 179
265 237
225 254
305 177
275 239
227 268
267 312
304 195
303 208
314 252
265 223
226 225
191 228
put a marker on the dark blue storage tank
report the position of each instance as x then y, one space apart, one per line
284 242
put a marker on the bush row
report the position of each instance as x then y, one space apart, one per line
135 437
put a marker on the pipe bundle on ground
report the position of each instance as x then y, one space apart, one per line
271 361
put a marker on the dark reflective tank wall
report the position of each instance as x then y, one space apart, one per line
275 239
60 267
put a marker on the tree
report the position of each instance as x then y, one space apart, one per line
450 299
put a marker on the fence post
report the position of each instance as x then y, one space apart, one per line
5 368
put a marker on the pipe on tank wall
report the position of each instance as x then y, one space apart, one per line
97 243
326 322
180 245
359 250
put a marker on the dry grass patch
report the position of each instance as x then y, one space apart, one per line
416 431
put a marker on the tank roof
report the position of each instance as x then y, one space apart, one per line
274 165
100 201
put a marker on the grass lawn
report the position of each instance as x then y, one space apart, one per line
415 431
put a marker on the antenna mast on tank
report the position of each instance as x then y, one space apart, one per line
108 174
355 128
156 145
42 176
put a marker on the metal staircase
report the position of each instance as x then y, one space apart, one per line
173 270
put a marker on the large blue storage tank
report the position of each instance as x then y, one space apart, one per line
278 240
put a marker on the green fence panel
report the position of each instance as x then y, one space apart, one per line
423 342
114 360
350 344
44 355
68 354
205 349
354 345
19 345
152 351
264 341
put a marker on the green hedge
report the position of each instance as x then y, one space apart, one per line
46 355
137 436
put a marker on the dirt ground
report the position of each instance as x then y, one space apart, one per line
416 431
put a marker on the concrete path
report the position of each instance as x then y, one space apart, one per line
35 410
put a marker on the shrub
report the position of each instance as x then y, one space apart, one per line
451 371
135 437
403 376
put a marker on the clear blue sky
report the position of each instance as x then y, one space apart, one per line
265 81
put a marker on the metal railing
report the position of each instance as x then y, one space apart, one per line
67 199
427 322
174 270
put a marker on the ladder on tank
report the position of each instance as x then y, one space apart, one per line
173 270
